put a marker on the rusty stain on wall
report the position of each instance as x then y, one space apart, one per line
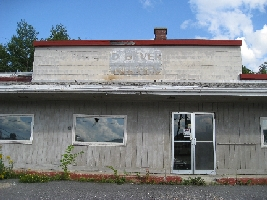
111 77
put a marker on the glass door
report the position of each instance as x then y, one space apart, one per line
204 144
193 146
182 150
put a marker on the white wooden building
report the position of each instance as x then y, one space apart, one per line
174 106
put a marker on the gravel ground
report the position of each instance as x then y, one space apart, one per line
12 189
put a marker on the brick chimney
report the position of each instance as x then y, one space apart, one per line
160 33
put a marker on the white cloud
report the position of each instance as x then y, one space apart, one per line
248 55
104 129
259 39
147 3
232 19
185 24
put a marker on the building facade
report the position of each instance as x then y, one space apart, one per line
170 106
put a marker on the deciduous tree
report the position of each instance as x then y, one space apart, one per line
4 57
246 70
263 68
20 48
59 33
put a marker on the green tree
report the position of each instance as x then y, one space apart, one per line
263 68
4 57
58 33
20 48
245 70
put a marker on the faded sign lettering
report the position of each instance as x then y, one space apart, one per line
135 61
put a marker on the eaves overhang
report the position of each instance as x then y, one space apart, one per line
128 89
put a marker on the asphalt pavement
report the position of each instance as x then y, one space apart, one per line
13 190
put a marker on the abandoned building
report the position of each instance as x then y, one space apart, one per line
168 105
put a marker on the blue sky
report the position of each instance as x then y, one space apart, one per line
136 19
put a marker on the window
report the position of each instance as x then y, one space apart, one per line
99 130
16 128
263 121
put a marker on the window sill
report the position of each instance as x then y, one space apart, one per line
15 142
97 144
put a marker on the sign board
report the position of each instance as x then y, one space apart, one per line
135 61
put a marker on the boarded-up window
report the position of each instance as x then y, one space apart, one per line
16 128
99 130
263 121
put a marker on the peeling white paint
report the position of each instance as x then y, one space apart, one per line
145 89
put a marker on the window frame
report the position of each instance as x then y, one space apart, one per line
99 143
262 135
20 141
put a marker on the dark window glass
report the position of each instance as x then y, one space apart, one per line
13 127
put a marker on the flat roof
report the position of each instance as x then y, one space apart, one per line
169 42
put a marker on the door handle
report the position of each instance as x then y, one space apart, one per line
193 141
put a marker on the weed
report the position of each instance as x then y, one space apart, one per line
194 181
6 167
126 173
34 178
82 179
56 177
138 175
145 178
90 180
249 182
115 172
240 182
118 179
108 180
147 175
67 159
169 183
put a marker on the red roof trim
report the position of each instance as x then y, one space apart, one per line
138 43
16 79
253 76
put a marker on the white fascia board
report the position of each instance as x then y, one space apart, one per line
145 89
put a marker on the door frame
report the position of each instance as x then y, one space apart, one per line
193 143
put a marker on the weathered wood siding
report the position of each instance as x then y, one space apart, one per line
238 147
239 140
